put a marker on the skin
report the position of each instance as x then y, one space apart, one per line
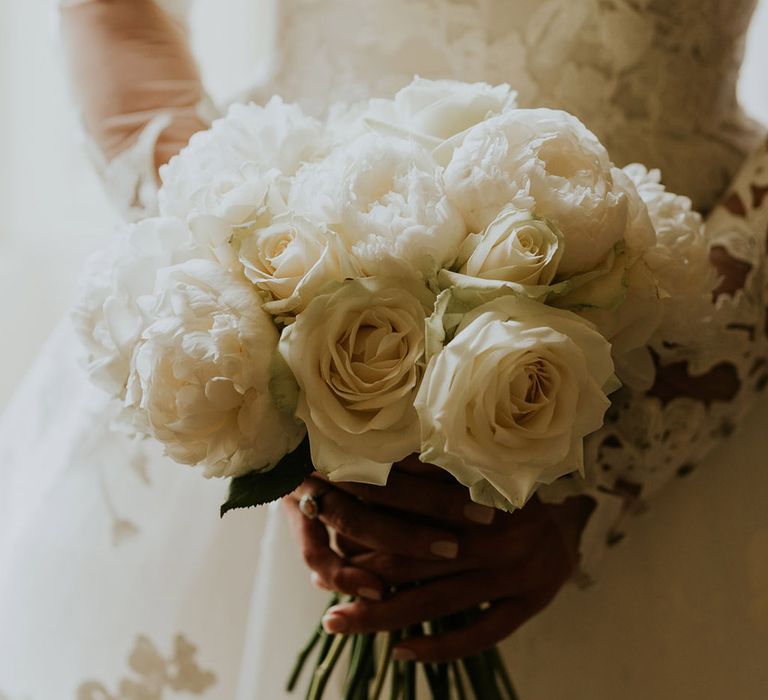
370 539
129 61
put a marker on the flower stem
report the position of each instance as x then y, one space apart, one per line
458 681
309 647
409 681
324 670
385 661
503 673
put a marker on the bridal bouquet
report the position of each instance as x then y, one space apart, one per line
440 273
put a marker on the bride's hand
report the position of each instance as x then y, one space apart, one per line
517 562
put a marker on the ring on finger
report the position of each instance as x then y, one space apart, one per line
310 504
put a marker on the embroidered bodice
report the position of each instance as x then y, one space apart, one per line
654 79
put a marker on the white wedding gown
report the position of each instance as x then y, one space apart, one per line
118 580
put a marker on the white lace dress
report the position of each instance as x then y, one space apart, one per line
119 582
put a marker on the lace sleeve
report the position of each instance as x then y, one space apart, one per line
711 362
138 87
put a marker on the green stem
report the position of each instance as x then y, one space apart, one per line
461 691
309 647
385 661
409 684
324 670
503 673
481 678
397 670
361 651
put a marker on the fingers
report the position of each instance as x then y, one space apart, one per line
426 496
537 579
430 601
489 628
396 571
413 465
329 571
377 529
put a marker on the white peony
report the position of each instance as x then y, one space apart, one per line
244 158
548 161
681 254
200 374
506 404
433 111
291 259
114 305
516 247
385 197
357 353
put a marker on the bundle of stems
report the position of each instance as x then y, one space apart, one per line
372 673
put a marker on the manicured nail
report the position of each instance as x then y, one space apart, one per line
334 623
317 582
369 593
445 549
402 654
476 513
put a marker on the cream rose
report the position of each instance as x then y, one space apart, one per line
548 161
291 259
516 247
200 374
357 353
436 110
385 198
506 404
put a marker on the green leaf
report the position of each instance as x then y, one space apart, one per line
259 488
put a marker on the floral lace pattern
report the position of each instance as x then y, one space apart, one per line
710 381
664 72
153 674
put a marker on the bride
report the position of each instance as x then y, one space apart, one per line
118 581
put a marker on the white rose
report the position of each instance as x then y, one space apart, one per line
436 110
516 247
385 197
506 404
548 161
200 374
291 260
117 288
230 169
357 354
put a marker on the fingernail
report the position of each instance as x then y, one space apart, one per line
402 654
317 582
334 623
445 549
476 513
370 593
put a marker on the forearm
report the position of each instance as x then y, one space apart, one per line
130 62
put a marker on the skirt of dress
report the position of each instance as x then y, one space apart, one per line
119 581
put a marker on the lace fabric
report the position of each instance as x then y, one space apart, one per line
706 385
654 80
